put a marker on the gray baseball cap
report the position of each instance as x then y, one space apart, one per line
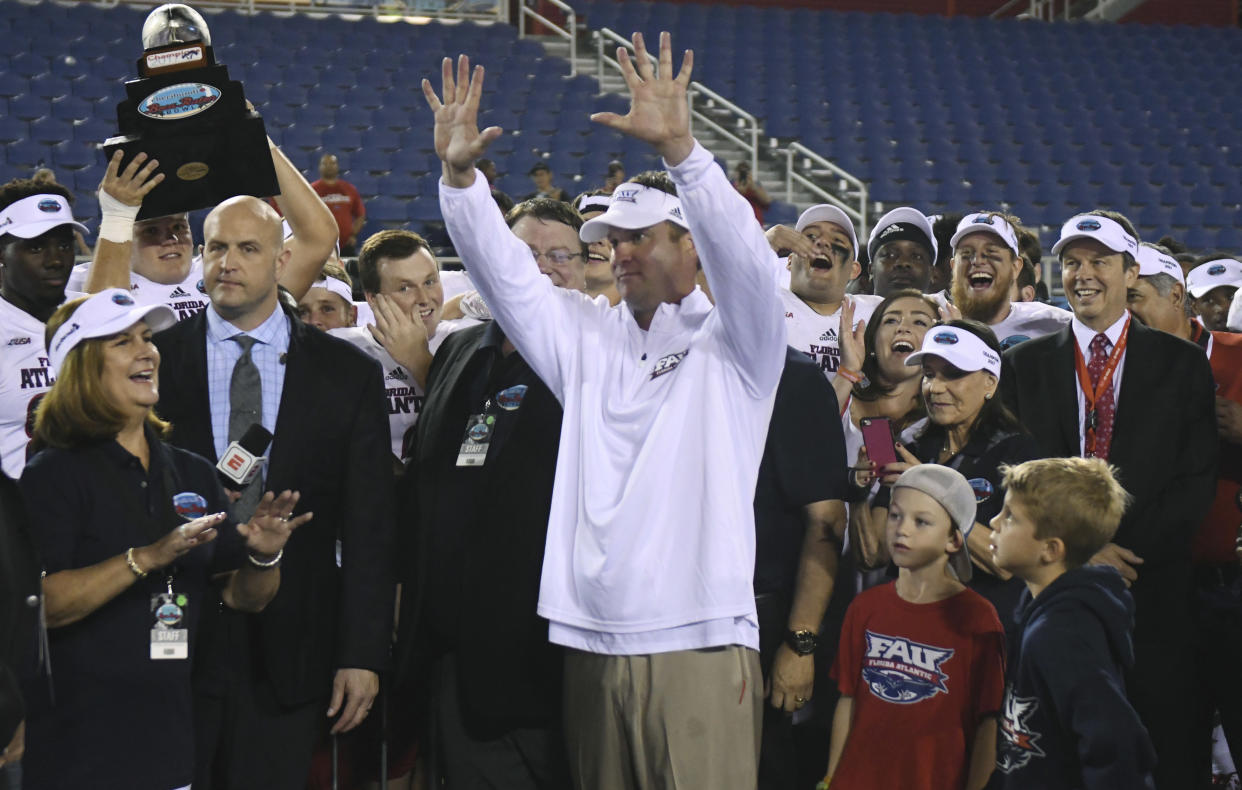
954 494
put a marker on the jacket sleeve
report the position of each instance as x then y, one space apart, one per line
368 533
1089 701
741 269
543 321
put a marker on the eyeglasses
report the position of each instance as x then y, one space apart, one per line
556 257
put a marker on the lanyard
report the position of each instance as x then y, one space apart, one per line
1091 394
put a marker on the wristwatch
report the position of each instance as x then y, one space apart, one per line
802 642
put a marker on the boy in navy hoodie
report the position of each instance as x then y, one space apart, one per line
1066 722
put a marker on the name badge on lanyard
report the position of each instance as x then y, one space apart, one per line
170 635
477 439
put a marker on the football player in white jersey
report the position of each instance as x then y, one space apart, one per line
157 263
986 263
401 278
329 302
36 254
812 303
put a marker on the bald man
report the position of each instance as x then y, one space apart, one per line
264 681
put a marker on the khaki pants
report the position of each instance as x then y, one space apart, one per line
667 721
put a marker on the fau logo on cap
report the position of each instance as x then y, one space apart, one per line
49 206
945 338
1216 270
982 219
900 670
122 299
628 195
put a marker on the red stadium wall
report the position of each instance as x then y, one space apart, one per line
1166 12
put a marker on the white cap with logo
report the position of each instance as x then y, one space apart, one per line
1213 274
891 223
634 206
1153 261
103 314
961 348
825 212
35 215
983 222
1104 230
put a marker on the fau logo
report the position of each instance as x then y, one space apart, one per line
668 364
1018 742
903 671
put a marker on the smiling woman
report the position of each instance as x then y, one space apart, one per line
121 521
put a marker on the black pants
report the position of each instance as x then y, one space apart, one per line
1218 661
245 739
527 758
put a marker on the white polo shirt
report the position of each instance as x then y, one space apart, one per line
651 538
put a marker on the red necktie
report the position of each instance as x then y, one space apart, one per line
1105 407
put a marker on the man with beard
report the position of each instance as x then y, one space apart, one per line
986 264
812 303
1212 285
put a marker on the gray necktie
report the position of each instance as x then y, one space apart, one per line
245 409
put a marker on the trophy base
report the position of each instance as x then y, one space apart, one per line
203 168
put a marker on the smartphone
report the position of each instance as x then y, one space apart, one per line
878 437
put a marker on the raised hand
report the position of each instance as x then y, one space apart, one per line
852 338
402 336
458 141
131 185
270 527
659 111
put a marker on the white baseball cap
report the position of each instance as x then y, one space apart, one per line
1153 261
825 212
35 215
634 206
335 286
961 348
1213 274
889 223
101 315
1104 230
983 222
593 203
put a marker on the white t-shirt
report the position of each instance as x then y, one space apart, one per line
25 377
816 335
184 298
1029 320
405 397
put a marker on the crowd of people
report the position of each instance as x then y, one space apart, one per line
644 497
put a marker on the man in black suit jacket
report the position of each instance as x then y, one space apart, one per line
264 680
1163 441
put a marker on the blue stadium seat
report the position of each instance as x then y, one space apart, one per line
28 108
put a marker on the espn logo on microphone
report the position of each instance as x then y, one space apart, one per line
238 465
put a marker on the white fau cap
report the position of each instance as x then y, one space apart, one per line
984 222
961 348
825 212
101 315
1213 274
33 216
634 206
1104 230
1153 261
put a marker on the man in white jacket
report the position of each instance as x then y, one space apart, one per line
651 538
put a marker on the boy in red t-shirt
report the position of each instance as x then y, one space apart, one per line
921 663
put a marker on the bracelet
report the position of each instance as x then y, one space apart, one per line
852 376
269 564
133 566
117 219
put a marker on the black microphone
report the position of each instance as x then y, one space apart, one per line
243 459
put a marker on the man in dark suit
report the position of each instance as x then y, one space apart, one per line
263 681
482 529
1110 387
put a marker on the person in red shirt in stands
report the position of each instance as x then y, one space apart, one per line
344 201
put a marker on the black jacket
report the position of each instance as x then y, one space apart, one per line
331 444
20 588
1066 723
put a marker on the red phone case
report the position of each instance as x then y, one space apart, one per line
878 437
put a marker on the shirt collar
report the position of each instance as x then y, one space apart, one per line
1085 334
274 331
492 336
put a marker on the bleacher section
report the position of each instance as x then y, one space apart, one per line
950 113
350 88
939 113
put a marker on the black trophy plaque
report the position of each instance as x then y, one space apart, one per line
186 112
